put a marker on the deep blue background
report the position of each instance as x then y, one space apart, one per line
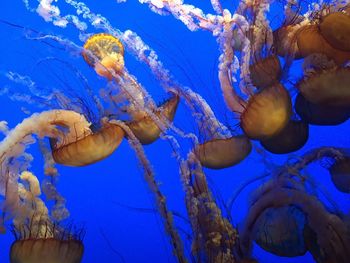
95 193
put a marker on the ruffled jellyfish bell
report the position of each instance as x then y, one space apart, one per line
45 242
105 53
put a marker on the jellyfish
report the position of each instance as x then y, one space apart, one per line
109 52
290 139
318 114
330 230
84 147
145 129
266 72
340 174
222 153
335 28
304 38
316 87
280 231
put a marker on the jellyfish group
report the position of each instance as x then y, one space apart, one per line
272 112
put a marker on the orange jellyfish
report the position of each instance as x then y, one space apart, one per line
265 72
267 112
303 38
56 245
146 129
87 147
222 153
105 53
335 28
327 87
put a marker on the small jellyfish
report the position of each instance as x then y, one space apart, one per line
266 72
145 128
317 114
87 147
105 53
290 139
340 174
45 242
222 153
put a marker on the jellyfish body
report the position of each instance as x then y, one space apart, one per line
327 87
318 114
267 112
146 129
285 42
88 149
340 174
335 28
265 72
290 139
310 41
105 53
48 250
280 231
222 153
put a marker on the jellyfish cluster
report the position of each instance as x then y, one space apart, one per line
271 113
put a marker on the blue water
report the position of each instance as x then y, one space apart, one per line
110 199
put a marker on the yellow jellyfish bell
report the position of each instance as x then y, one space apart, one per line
105 53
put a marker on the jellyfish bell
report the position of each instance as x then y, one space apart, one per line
87 147
105 53
50 244
280 231
327 87
265 72
290 139
223 153
340 174
310 41
285 42
267 112
317 114
335 28
145 128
